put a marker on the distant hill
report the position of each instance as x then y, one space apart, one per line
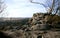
9 19
12 22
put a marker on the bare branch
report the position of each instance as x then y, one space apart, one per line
38 3
2 6
51 8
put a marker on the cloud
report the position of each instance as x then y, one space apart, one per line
24 12
21 1
22 8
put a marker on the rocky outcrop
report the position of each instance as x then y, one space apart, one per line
41 25
44 21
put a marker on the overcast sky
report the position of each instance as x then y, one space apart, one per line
22 8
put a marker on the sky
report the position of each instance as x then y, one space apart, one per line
22 8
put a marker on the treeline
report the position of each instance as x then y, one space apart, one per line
14 24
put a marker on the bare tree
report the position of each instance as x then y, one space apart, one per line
2 6
52 6
58 8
